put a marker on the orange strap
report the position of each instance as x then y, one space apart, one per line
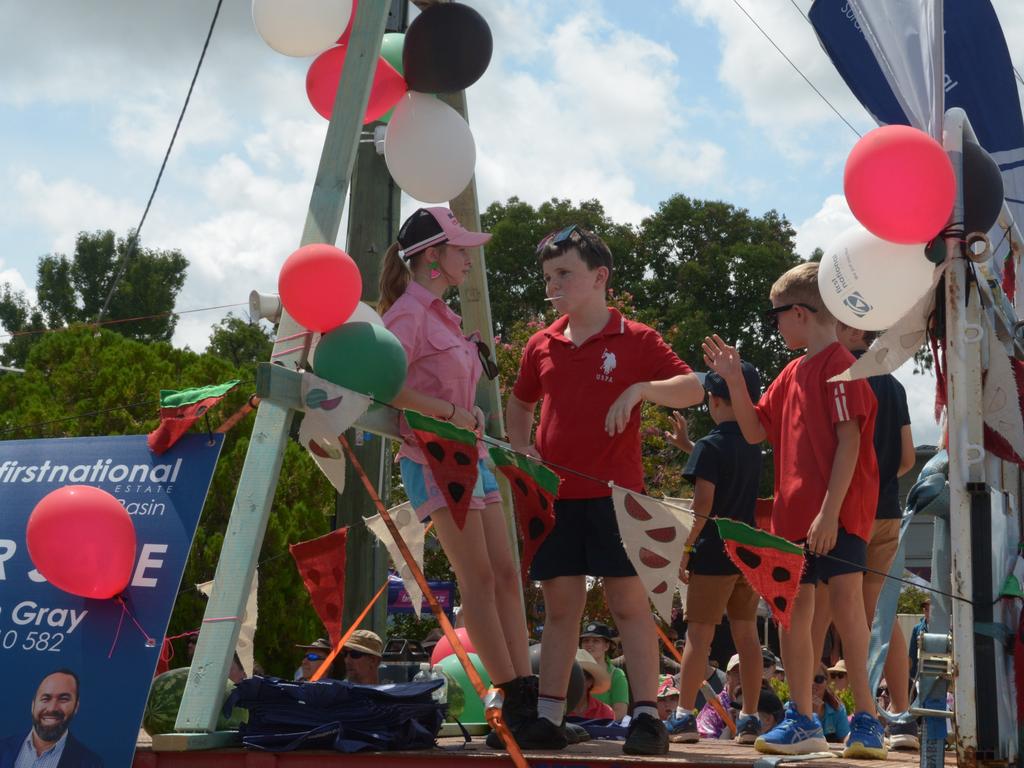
326 664
705 688
492 699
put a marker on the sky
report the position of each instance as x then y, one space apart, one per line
626 102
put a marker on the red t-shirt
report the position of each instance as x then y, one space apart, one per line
578 385
799 411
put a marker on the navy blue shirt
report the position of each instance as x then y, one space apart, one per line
726 460
893 414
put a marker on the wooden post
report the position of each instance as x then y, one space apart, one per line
258 482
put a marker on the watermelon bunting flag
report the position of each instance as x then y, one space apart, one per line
534 488
179 410
770 563
321 564
452 456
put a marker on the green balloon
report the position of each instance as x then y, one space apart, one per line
363 357
473 709
391 49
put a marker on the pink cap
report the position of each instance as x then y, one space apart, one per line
432 226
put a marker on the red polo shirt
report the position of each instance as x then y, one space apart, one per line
578 384
800 411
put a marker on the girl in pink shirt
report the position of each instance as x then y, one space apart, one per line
430 258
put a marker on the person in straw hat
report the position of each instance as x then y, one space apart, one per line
596 680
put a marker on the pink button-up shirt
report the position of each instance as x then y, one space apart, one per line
442 362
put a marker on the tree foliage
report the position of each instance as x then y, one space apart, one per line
73 290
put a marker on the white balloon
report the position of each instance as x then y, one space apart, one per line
364 313
301 27
429 149
870 283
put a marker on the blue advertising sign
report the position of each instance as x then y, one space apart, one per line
400 602
76 672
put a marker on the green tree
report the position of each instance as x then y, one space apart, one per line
73 290
245 344
80 382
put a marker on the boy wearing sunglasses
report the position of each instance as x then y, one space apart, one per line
826 492
592 368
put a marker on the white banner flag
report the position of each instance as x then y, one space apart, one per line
328 411
412 531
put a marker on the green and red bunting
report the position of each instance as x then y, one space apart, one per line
452 456
770 563
179 410
534 488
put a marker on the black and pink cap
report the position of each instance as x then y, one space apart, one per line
433 226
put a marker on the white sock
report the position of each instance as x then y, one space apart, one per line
642 710
551 709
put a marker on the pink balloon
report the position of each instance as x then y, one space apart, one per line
320 286
444 648
82 540
900 184
325 73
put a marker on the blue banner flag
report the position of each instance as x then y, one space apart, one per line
76 671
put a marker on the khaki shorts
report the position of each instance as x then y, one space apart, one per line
882 546
708 597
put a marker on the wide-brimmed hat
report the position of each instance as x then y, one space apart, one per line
433 226
597 629
320 644
365 641
602 680
734 662
839 667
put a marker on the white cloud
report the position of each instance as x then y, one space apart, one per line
819 230
920 390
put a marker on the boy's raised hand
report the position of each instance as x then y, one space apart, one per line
678 435
722 358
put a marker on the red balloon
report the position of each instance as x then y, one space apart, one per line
82 540
320 286
444 648
325 73
348 30
900 184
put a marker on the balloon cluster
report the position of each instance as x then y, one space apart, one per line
320 286
428 147
901 186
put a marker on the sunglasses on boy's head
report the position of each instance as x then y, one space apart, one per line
560 236
314 657
484 353
772 315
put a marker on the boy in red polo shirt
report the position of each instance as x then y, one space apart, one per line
826 491
592 368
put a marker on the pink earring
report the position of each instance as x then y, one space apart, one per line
435 270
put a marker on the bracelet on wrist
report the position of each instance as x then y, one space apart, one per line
688 549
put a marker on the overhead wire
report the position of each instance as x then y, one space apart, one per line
795 67
134 238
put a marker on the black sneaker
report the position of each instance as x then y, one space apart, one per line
575 734
541 734
646 736
903 736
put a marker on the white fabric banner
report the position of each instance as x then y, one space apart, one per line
1001 407
413 532
329 410
653 532
906 37
247 630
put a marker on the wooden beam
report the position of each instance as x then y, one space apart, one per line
258 482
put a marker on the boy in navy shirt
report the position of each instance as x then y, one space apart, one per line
725 471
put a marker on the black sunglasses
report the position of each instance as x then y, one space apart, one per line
314 657
484 353
560 236
819 679
349 654
837 675
772 315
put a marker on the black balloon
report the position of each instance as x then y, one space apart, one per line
983 189
447 48
575 691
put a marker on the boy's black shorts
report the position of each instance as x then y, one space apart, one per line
584 542
848 556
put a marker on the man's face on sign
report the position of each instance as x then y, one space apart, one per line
54 706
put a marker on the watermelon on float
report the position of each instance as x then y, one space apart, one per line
165 695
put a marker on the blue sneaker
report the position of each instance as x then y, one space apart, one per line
748 728
796 735
866 739
682 730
